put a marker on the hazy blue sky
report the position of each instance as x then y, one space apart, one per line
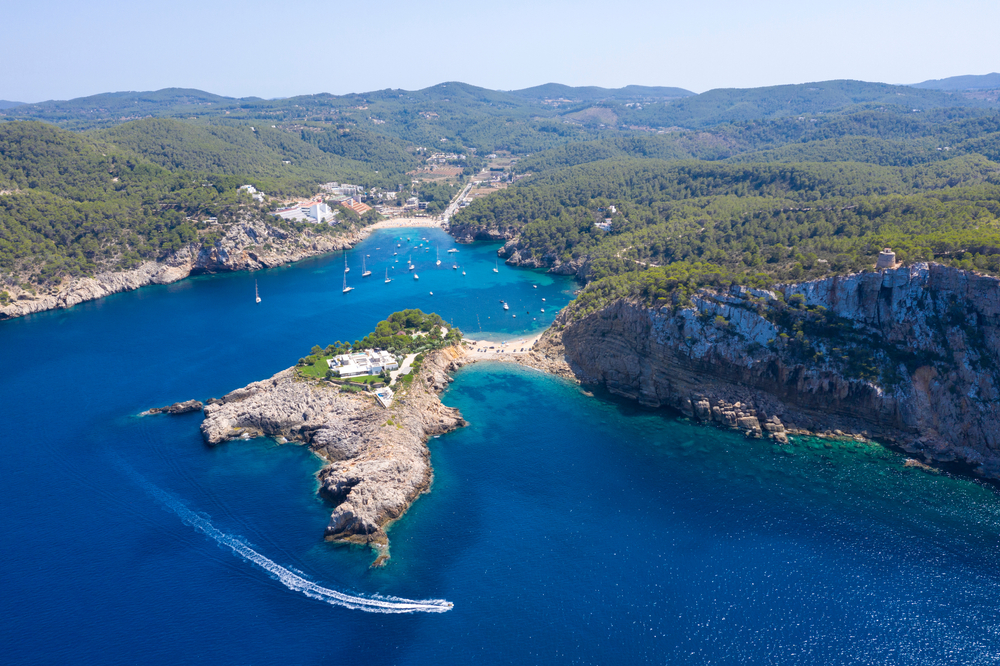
56 49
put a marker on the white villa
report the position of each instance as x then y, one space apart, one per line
367 362
310 211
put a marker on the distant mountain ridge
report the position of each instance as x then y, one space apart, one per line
968 82
594 93
5 104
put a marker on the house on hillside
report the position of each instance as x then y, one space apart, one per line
315 212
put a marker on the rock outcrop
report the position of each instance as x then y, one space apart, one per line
908 355
185 407
516 253
378 461
247 245
467 233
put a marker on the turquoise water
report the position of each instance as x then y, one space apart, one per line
564 528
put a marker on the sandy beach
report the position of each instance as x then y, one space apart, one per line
399 222
492 349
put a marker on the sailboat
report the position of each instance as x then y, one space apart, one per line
364 271
496 269
256 293
463 272
346 288
438 254
387 278
409 263
346 267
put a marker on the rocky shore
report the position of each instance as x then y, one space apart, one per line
377 459
247 245
910 356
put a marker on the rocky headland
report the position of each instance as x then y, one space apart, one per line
910 356
251 244
377 459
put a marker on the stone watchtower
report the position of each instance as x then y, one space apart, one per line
886 259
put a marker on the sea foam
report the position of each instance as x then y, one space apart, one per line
290 579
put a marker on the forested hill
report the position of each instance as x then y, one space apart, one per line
752 223
262 152
72 205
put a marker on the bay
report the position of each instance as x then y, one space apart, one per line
564 528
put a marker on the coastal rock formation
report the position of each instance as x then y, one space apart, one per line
517 254
907 355
467 233
378 461
185 407
247 245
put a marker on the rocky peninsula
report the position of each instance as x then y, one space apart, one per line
377 461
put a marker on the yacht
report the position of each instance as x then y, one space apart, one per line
364 271
387 278
346 288
506 307
256 293
347 268
452 250
416 277
496 268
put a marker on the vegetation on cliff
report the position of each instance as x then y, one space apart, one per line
403 332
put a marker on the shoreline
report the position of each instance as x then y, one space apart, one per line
194 260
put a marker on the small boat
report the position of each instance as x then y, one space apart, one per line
256 293
452 250
463 272
432 293
387 278
395 253
496 269
543 310
455 266
416 277
347 268
438 255
507 307
346 288
543 300
514 316
364 271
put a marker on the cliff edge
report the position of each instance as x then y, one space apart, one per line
909 355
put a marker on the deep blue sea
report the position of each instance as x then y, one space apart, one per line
565 528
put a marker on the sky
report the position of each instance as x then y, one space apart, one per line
57 49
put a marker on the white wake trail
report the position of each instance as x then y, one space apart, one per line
291 580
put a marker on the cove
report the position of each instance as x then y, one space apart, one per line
564 528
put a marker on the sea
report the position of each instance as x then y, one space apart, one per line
563 525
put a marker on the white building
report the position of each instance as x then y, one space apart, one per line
367 362
252 191
310 211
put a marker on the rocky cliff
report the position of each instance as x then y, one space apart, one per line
247 245
909 355
378 461
467 233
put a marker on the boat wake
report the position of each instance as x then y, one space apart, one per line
290 579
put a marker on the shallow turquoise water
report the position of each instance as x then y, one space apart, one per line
564 528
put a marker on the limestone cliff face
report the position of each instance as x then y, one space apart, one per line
518 254
467 233
909 355
378 459
242 248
